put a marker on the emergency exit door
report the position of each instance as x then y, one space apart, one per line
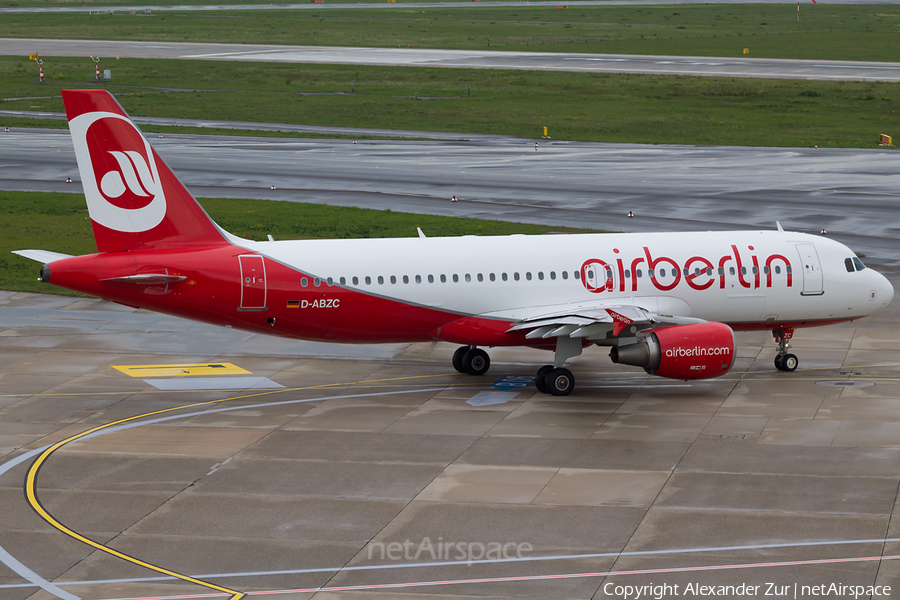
253 282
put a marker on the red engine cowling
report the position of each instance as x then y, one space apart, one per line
699 351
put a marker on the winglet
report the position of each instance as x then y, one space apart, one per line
778 225
620 322
421 233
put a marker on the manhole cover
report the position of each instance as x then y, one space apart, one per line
846 383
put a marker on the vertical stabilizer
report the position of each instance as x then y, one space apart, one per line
134 200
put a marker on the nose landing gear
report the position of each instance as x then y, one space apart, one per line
784 361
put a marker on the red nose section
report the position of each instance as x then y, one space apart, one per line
134 199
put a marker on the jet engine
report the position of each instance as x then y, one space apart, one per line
697 351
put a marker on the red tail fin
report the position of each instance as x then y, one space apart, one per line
133 198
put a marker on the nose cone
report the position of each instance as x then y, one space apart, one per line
882 290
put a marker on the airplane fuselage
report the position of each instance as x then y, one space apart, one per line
406 290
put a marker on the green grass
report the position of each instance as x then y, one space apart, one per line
840 32
59 222
574 106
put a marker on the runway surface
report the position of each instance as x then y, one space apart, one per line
850 193
469 59
355 468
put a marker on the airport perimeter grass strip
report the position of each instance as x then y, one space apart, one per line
58 221
824 31
604 107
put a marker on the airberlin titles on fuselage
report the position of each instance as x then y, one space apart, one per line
698 272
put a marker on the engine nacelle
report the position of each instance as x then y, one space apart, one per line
699 351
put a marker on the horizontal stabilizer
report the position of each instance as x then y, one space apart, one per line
148 278
42 256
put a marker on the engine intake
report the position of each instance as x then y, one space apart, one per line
698 351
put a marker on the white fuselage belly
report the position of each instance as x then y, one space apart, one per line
551 270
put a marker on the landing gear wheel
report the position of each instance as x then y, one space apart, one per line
560 382
476 362
540 380
789 362
779 362
457 360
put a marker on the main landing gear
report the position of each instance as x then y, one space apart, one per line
784 361
471 360
550 379
556 381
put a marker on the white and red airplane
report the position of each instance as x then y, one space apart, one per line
667 302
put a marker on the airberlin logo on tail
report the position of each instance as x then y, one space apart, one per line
118 171
132 176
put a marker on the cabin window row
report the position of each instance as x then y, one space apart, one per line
304 282
697 271
443 278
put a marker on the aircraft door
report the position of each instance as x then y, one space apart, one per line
253 282
812 270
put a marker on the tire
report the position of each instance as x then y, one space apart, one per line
457 360
790 362
540 380
476 362
560 382
779 362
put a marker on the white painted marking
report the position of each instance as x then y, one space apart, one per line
12 562
213 383
491 398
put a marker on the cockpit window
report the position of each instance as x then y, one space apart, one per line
859 264
848 263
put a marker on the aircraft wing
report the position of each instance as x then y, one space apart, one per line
593 321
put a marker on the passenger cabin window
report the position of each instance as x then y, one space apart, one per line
406 279
317 282
355 280
443 278
565 275
418 279
304 282
368 280
343 281
431 279
393 279
380 280
455 278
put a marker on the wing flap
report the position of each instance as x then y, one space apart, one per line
591 321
